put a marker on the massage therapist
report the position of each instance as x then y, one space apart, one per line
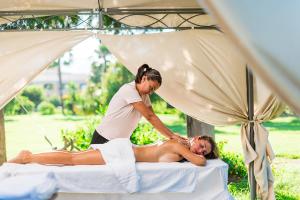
128 105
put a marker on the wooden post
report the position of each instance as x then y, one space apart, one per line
249 78
2 139
195 127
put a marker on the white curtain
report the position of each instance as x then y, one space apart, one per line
23 55
205 77
267 33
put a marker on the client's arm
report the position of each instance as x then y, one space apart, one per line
188 155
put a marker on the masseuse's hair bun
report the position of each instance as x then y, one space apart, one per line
152 74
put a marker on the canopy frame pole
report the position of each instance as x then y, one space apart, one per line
100 20
100 11
250 103
109 11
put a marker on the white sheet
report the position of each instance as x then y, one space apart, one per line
209 181
119 157
28 187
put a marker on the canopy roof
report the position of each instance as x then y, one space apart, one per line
137 13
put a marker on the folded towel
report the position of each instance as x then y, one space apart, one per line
28 187
119 157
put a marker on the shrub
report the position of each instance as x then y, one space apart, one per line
181 115
55 101
46 108
72 99
237 168
19 105
145 134
91 102
239 189
12 107
27 106
81 137
34 93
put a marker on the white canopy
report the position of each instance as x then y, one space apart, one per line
268 34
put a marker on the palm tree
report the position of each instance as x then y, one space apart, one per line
99 69
104 52
57 64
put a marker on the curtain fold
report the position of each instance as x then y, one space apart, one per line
203 75
263 153
268 35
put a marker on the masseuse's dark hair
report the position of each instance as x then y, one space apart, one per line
152 74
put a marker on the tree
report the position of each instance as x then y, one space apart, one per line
113 79
45 22
103 52
98 70
56 63
34 93
67 59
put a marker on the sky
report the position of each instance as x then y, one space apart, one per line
83 56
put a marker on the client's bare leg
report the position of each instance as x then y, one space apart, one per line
90 157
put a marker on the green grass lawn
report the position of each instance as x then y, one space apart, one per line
28 131
284 135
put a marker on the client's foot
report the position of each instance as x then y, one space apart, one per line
22 158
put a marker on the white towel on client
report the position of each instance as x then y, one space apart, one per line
118 156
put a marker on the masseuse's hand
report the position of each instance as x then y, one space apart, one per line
180 139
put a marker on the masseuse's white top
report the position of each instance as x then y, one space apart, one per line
121 118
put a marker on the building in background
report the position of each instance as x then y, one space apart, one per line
50 82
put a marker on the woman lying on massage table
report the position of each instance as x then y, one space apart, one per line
199 149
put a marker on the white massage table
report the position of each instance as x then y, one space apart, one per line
158 181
